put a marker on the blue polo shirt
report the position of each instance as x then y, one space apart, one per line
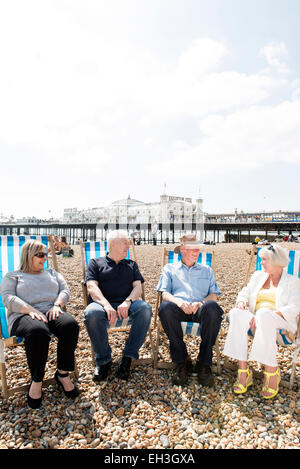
114 279
189 284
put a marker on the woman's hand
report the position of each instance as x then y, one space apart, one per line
252 324
54 312
279 314
38 315
242 305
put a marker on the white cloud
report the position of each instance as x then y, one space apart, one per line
246 139
275 53
296 90
203 55
198 86
82 99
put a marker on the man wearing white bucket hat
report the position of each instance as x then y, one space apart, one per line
189 293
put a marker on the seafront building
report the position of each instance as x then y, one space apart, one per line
170 209
162 221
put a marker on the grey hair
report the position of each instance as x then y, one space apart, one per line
278 256
116 234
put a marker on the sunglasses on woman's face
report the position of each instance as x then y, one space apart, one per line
41 255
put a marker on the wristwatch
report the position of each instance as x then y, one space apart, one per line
130 300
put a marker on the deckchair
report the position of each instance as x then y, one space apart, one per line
94 249
188 328
10 254
284 338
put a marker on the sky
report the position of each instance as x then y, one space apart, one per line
102 99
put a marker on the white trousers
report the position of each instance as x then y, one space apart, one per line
264 347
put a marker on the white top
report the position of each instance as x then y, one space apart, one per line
287 295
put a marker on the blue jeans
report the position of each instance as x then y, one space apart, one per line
96 323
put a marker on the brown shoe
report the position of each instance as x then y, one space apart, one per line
205 376
182 372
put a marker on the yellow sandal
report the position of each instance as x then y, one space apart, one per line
266 385
242 389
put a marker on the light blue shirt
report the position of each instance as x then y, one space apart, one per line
189 284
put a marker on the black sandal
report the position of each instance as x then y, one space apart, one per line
71 394
33 403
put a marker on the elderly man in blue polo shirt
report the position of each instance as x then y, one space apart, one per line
114 289
189 293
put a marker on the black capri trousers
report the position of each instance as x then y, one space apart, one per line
37 335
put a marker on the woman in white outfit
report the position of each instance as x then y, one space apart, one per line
269 302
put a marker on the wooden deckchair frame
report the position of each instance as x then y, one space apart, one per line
295 355
157 324
140 361
11 342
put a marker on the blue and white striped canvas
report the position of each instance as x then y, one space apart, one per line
94 249
283 337
120 323
205 258
294 264
192 328
10 255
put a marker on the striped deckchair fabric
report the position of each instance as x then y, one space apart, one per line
192 328
204 258
94 249
188 328
294 264
91 250
10 255
284 337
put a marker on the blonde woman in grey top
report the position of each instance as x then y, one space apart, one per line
35 299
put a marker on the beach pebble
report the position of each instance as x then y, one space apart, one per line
120 412
165 441
148 412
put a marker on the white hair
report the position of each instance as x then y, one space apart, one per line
278 256
116 234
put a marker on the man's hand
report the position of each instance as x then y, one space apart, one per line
186 307
196 305
111 313
122 310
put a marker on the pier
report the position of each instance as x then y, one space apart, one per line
238 231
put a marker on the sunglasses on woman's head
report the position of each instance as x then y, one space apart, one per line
271 248
41 255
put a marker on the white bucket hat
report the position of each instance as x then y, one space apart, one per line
189 241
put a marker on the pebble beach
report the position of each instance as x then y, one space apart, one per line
148 412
